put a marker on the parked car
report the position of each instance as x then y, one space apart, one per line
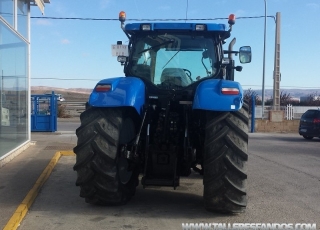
60 97
310 124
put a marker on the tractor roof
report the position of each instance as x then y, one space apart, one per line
158 26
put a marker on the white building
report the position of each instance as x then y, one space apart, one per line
15 131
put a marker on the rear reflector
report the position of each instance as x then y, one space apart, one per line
316 121
103 88
230 91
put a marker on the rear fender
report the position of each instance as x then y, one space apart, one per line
209 96
124 91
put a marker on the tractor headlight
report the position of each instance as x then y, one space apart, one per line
201 27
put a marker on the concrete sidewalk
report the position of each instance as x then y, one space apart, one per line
19 175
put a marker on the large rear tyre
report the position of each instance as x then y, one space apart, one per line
102 171
224 164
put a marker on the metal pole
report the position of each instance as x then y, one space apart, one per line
276 71
264 55
253 113
28 72
15 14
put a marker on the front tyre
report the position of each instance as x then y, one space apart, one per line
102 171
307 137
224 163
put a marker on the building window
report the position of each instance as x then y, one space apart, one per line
6 10
23 18
13 90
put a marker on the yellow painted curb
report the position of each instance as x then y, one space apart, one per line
23 208
67 153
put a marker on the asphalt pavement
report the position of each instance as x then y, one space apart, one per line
283 187
19 178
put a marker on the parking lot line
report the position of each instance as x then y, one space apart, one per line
23 208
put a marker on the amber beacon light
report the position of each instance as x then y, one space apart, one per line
122 16
232 19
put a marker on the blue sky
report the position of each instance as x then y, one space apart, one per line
77 49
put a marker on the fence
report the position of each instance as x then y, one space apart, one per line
291 112
74 108
295 112
258 110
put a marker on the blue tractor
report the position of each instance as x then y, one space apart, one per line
176 110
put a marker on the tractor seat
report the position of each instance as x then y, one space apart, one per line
176 76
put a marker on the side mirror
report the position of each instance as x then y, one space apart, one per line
245 54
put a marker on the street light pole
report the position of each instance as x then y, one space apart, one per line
264 55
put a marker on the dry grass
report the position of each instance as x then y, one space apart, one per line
62 113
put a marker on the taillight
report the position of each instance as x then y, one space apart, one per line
316 120
103 88
230 91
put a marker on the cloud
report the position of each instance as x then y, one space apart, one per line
43 22
240 13
59 7
313 6
65 41
104 3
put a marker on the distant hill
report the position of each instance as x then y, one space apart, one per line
296 93
48 89
70 94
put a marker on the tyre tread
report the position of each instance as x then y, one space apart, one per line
225 156
96 153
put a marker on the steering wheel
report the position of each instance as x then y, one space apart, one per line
188 73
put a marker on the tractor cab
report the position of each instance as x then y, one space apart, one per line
176 55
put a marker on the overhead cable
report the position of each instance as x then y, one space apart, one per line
175 19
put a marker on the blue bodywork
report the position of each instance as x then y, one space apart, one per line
130 91
208 96
125 91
